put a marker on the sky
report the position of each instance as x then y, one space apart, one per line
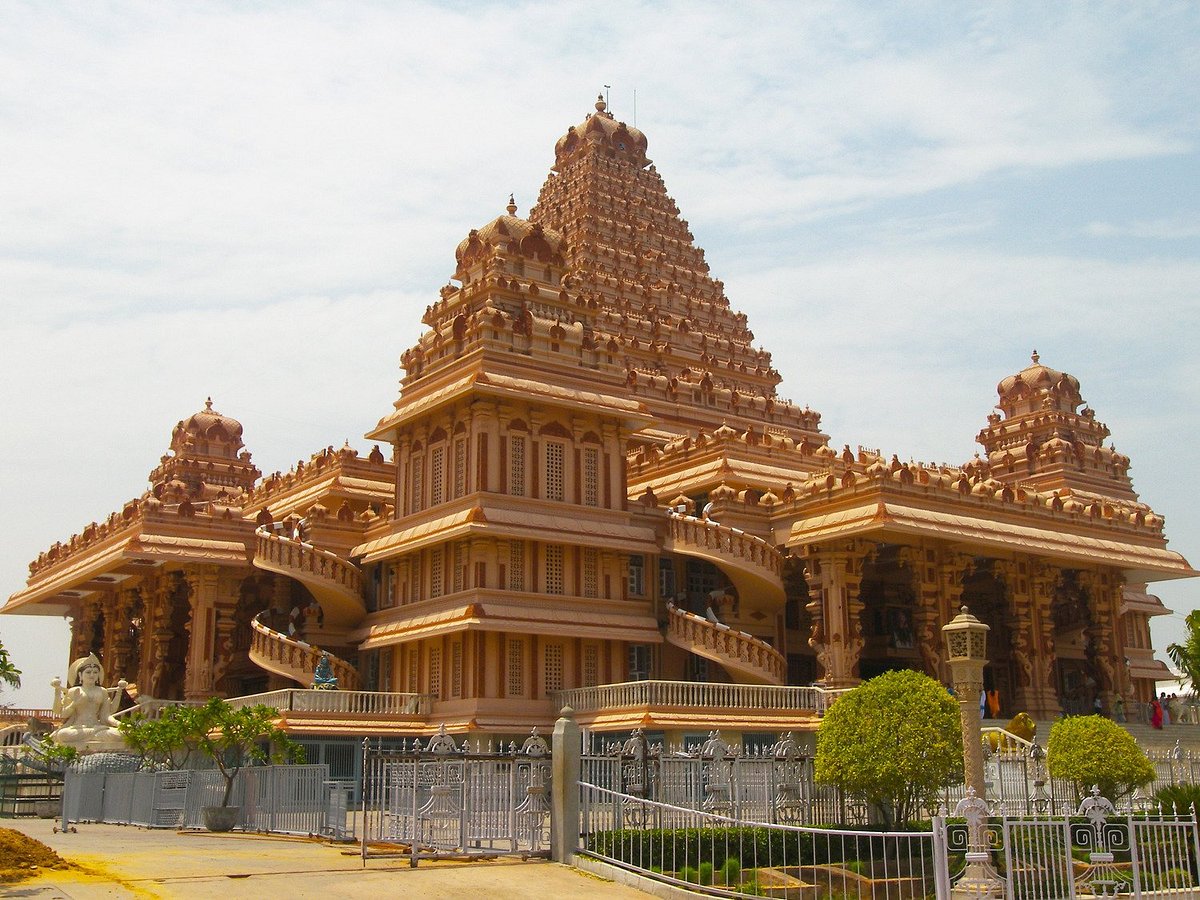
256 202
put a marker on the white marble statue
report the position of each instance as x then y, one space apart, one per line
87 708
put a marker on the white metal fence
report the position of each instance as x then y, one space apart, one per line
277 799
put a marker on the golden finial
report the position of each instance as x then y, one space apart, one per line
208 404
512 205
601 104
1035 357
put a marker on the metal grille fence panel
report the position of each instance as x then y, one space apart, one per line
440 799
276 799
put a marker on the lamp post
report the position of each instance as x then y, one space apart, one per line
965 639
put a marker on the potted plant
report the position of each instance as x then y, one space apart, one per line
232 737
229 736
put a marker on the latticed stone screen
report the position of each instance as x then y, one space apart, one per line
456 669
436 565
554 471
437 475
591 665
554 569
590 572
435 671
460 467
552 668
591 476
516 466
516 668
516 565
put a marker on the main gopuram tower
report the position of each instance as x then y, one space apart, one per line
652 306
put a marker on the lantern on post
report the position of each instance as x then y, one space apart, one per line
965 640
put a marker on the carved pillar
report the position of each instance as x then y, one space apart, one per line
225 621
1044 581
1028 689
202 596
121 655
834 580
81 628
927 610
1104 645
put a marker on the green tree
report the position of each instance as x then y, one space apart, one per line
1093 750
9 673
1186 656
895 740
230 736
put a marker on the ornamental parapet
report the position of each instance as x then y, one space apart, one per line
276 652
732 544
736 650
319 467
300 559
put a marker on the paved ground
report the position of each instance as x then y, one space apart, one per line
124 861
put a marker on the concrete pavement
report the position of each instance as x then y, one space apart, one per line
126 861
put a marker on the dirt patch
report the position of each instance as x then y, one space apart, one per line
23 857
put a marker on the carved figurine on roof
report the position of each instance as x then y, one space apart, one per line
87 708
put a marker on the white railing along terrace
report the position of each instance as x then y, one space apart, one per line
730 542
702 695
365 703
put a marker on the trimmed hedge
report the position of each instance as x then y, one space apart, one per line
673 849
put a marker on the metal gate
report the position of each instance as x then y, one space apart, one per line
443 799
1094 853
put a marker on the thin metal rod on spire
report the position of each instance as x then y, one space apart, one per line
606 90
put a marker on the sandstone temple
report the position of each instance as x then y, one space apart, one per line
590 493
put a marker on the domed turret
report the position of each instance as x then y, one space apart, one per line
208 432
208 460
512 236
601 133
1045 441
1038 387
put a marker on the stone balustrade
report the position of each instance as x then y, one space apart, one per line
737 649
307 560
361 703
733 544
695 695
295 659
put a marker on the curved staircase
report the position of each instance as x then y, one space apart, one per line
744 656
753 565
276 652
335 583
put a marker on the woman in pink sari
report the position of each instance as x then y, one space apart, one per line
1156 718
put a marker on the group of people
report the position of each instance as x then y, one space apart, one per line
1167 709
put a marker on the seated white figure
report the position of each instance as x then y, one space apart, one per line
87 708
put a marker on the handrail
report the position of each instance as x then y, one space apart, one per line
696 695
743 650
297 555
297 656
726 540
25 712
368 703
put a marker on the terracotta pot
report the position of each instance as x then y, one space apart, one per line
220 818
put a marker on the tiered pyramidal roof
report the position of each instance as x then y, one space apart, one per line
602 288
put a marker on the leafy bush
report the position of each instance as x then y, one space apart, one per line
731 871
895 740
1093 750
689 873
706 873
1178 799
230 737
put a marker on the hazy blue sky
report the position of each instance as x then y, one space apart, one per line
257 201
